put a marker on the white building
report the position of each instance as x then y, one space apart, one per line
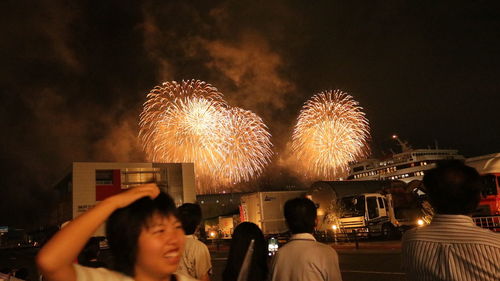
91 182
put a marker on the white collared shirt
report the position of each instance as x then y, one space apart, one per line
451 248
302 258
302 236
195 261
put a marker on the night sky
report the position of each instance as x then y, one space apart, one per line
74 75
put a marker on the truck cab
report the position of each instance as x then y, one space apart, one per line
369 214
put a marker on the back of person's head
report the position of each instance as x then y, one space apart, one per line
6 270
190 216
300 215
453 188
125 225
89 252
242 235
22 273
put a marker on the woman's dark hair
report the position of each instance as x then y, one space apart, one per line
453 188
125 225
243 234
300 215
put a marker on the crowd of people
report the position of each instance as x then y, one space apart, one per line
9 274
150 239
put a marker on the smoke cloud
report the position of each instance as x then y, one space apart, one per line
252 68
58 16
243 64
74 76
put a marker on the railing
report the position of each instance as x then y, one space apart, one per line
490 222
347 235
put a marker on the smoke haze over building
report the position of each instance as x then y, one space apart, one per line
74 76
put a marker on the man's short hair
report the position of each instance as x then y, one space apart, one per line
124 226
453 188
190 217
300 215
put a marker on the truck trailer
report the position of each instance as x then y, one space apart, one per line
265 209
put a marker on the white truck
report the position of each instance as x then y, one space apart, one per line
265 209
370 208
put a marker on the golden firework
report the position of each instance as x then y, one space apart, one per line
190 122
247 146
331 131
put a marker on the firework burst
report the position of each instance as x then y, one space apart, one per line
190 122
247 146
331 131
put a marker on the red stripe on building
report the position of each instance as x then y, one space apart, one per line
104 191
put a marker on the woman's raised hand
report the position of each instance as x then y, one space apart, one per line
126 198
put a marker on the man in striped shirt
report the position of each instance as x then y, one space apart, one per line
452 247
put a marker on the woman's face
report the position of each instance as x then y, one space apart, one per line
160 247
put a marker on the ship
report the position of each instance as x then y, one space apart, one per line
406 166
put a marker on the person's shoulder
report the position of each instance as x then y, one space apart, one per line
198 242
200 245
410 233
463 235
308 246
183 277
325 248
489 235
84 273
423 232
285 249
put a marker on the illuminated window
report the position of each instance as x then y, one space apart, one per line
104 177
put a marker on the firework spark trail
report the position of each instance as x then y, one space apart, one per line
331 131
174 123
190 122
247 146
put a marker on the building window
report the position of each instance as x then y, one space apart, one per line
104 177
136 176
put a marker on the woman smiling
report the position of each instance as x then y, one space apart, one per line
145 237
